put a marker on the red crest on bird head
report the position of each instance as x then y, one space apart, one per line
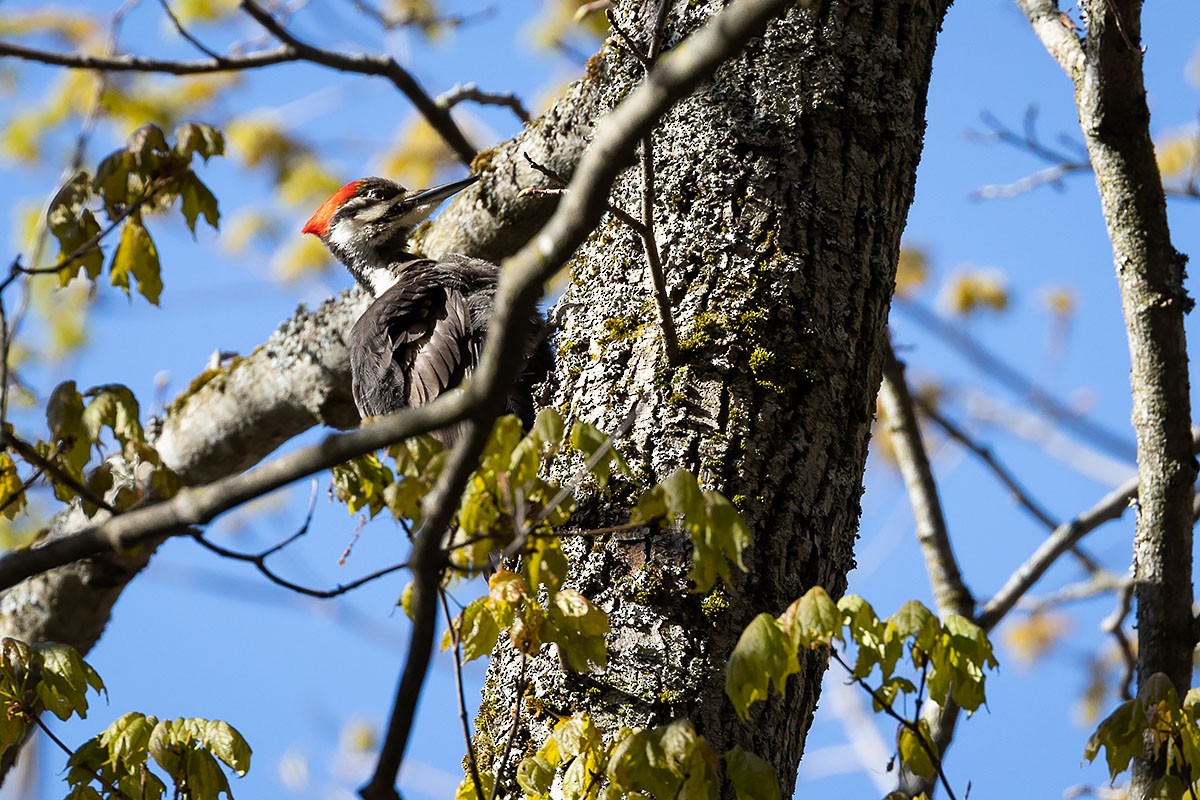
318 223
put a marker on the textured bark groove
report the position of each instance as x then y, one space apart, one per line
782 191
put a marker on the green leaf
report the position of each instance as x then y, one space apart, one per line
545 564
913 754
719 539
652 505
638 763
535 775
915 621
197 199
74 226
813 620
548 426
362 483
478 629
196 137
505 435
578 627
763 655
114 406
146 144
12 488
223 741
68 435
466 788
588 439
65 679
753 778
112 182
128 738
136 255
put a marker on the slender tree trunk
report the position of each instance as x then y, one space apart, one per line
782 189
1115 117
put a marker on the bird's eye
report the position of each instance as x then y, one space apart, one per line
377 194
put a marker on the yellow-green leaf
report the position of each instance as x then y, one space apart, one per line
137 256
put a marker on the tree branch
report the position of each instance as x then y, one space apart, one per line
1110 507
384 66
292 50
197 506
949 590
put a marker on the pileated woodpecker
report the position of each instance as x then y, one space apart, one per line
424 333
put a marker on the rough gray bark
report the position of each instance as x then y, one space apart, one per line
782 191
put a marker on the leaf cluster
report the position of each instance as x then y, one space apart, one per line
77 427
54 677
47 674
671 761
148 174
189 751
564 616
1157 724
948 659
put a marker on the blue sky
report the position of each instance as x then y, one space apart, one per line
198 636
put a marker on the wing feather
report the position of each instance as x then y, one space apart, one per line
411 344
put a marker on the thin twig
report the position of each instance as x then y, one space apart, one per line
113 789
30 454
519 695
906 723
182 31
292 50
258 560
1003 474
1114 623
456 652
462 92
414 18
437 117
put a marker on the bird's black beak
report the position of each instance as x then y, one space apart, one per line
439 193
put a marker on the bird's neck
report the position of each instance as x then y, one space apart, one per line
373 270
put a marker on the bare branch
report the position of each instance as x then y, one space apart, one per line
1019 493
197 506
456 652
1057 33
259 561
438 118
182 31
131 63
462 92
292 50
1110 507
949 590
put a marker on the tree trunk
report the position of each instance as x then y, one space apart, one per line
781 195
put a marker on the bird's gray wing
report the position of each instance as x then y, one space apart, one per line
409 346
